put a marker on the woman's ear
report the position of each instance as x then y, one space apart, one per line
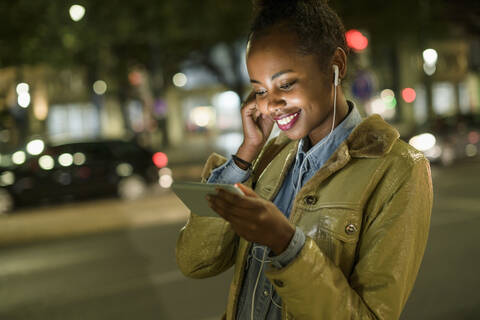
340 59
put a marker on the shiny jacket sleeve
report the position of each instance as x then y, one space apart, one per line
389 254
206 246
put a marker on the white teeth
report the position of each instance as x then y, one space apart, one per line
286 120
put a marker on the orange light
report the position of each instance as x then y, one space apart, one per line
409 95
160 159
356 40
135 78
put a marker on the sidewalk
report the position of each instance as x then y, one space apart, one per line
35 224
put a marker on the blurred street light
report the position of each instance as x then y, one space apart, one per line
471 150
165 178
77 12
388 98
202 116
160 159
100 87
46 162
24 98
423 142
35 147
180 79
356 40
65 159
409 95
227 99
430 57
19 157
7 178
79 158
124 169
22 88
40 105
429 69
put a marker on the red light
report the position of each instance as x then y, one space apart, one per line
356 40
409 95
160 159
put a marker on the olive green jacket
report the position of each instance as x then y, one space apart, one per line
366 215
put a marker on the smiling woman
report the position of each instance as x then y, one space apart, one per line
335 214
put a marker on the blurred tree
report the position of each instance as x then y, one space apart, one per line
115 37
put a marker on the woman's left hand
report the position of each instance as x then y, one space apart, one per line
253 218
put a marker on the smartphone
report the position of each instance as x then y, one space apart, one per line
193 195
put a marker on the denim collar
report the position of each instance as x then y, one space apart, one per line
322 150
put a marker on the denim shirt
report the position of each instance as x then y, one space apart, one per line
256 287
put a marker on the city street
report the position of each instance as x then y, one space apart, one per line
112 260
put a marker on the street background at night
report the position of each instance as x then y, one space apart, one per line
103 104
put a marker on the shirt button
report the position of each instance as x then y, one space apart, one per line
350 229
266 293
278 283
310 200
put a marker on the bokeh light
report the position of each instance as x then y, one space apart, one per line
24 100
160 159
166 181
356 40
423 142
35 147
46 162
180 79
19 157
471 150
409 95
202 116
22 88
430 56
65 159
124 169
227 99
7 178
79 158
77 12
100 87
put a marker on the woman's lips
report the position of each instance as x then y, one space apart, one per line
286 122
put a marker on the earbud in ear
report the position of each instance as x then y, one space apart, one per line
335 69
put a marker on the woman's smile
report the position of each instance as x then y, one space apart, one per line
287 121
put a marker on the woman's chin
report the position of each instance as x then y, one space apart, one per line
294 134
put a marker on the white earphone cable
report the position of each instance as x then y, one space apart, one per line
326 139
297 188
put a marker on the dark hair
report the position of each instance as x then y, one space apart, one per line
318 28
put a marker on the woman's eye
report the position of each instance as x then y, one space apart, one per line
260 92
287 85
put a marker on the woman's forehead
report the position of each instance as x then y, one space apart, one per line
275 51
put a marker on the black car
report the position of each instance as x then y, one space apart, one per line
80 170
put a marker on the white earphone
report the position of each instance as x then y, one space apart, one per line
336 80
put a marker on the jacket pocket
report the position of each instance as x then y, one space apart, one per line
335 229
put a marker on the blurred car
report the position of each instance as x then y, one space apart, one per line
79 170
449 139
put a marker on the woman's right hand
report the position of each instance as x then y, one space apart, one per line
256 129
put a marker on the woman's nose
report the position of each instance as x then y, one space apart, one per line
274 104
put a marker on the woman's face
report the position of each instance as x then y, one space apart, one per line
290 87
